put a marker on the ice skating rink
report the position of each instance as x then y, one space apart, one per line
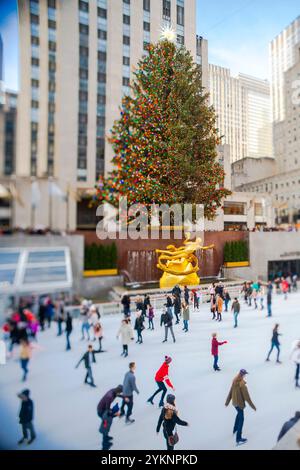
65 408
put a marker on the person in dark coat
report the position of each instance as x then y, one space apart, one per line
177 307
168 419
186 295
269 298
126 304
89 358
167 321
176 291
26 417
139 327
275 343
169 305
129 386
288 425
106 414
42 315
69 328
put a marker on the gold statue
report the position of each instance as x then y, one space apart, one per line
180 265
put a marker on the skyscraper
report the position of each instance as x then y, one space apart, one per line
243 110
1 60
76 61
283 56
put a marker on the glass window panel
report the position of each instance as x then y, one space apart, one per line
9 258
47 274
7 275
46 256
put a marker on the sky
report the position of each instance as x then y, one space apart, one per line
238 33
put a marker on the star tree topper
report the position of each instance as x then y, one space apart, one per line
168 33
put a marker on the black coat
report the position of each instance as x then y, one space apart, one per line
69 326
86 359
169 424
287 426
26 411
166 319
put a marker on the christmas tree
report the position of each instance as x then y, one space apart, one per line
165 140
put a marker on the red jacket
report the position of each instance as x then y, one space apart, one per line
162 375
215 346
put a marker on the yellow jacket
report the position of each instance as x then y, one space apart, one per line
239 394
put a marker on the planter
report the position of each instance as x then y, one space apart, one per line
100 272
237 264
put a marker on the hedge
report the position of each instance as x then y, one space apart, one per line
100 256
236 251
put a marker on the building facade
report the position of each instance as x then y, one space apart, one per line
76 62
243 111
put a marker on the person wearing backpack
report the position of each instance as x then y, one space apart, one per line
167 321
168 419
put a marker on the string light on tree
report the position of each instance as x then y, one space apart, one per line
168 34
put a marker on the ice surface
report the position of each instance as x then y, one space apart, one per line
65 408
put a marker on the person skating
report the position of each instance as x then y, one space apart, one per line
85 327
150 317
235 308
26 417
213 306
60 309
284 288
94 317
195 299
288 425
177 307
176 291
126 305
127 335
227 299
219 307
239 396
89 358
162 377
167 320
98 334
129 386
169 305
69 328
295 357
215 350
249 293
185 316
269 298
186 295
42 314
106 414
139 326
168 419
25 355
275 343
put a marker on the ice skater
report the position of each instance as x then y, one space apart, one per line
185 316
213 306
69 328
162 377
168 419
275 344
25 355
129 386
139 326
219 307
167 320
106 414
89 358
239 396
235 308
215 350
127 335
150 317
26 417
295 357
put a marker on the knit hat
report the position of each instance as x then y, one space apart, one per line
243 372
25 393
170 399
168 359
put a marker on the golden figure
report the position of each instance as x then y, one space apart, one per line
180 265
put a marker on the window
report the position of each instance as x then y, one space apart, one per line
83 51
51 107
101 99
126 60
166 9
126 40
52 66
51 24
180 39
146 26
34 104
83 6
102 34
52 46
35 61
83 73
101 121
180 15
126 81
102 12
34 83
83 119
34 19
35 40
83 28
258 209
101 77
102 56
146 5
51 3
126 19
234 208
83 95
127 2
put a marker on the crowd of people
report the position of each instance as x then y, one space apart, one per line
23 326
